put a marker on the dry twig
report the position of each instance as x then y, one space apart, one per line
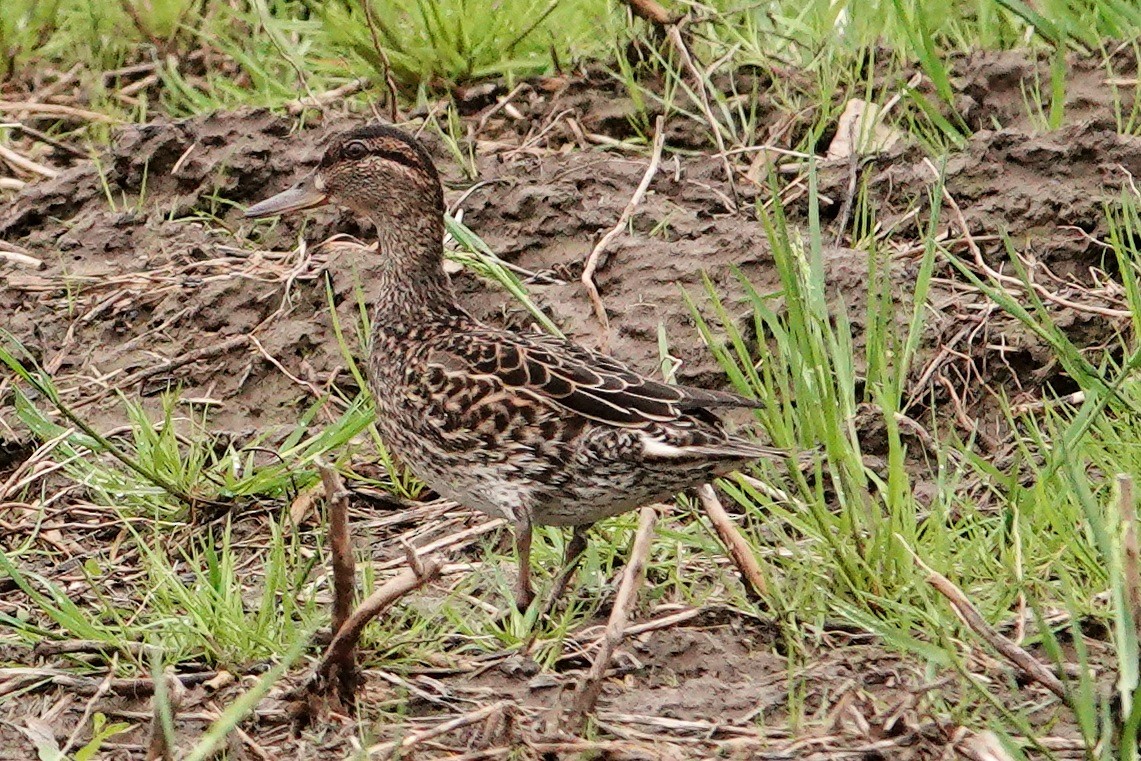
1014 283
739 549
25 164
623 219
182 360
1131 555
344 566
10 252
652 12
674 34
1026 663
591 685
158 746
27 678
397 748
339 660
55 109
319 100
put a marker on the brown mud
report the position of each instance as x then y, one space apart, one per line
153 281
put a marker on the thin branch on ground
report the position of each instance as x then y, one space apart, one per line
13 254
398 748
166 703
1027 664
1013 283
739 550
25 164
89 708
322 99
30 679
1131 554
591 686
339 660
341 546
623 219
652 12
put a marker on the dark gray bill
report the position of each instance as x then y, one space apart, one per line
303 195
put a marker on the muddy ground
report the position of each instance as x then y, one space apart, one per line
152 280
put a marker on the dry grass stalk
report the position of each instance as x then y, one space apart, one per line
182 360
1131 554
295 107
623 219
339 660
656 14
55 109
739 549
10 252
41 679
25 164
591 685
452 542
699 82
89 708
397 748
158 746
344 566
1013 284
1027 664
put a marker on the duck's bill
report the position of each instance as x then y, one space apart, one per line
303 195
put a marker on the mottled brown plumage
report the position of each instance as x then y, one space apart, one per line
529 427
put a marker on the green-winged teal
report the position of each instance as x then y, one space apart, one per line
529 427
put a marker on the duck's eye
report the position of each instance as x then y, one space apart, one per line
355 150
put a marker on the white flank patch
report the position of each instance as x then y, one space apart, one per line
657 448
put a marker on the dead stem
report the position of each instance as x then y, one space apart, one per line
1027 664
1131 555
340 658
182 360
591 686
344 566
89 708
40 679
54 109
319 100
739 549
623 219
652 12
25 164
158 745
1013 283
10 252
397 748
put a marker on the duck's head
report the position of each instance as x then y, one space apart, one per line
377 171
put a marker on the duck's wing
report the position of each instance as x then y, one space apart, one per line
577 379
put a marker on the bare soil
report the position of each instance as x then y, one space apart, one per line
152 281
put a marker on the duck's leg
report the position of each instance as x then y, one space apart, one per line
571 558
524 594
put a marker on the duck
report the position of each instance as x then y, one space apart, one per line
525 426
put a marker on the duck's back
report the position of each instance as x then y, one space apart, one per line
506 422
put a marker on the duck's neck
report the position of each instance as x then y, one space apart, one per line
413 286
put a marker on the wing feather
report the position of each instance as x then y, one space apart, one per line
587 383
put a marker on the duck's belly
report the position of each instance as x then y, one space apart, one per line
536 467
573 492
